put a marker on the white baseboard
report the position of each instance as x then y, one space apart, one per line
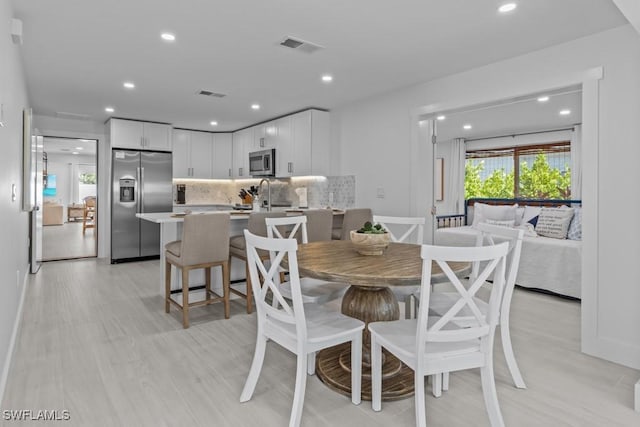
637 406
14 336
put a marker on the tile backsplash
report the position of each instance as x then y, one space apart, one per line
334 191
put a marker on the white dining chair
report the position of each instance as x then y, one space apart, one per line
431 345
313 290
303 329
404 230
441 301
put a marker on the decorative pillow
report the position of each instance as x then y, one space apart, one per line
533 221
575 228
501 223
483 212
530 212
554 222
519 214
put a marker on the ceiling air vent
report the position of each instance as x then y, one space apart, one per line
300 45
68 115
209 93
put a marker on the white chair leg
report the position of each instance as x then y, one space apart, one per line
436 385
256 367
311 363
376 374
298 394
356 369
490 395
509 356
445 381
421 416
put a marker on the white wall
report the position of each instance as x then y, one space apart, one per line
70 128
376 140
15 223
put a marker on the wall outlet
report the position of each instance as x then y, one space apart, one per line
380 193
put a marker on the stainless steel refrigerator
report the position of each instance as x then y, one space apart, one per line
140 183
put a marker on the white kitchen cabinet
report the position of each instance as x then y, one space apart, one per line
181 148
222 155
265 136
303 144
192 154
140 135
243 144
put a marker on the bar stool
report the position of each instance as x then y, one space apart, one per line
353 219
204 245
238 249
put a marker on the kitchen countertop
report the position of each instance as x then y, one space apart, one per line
165 217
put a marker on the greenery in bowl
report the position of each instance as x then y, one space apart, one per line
369 228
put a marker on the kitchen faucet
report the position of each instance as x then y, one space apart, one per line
268 192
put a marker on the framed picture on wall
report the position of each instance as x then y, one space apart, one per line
439 180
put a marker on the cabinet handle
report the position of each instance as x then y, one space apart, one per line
261 142
290 167
229 171
240 171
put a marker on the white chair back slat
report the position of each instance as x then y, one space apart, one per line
288 227
445 328
266 281
415 229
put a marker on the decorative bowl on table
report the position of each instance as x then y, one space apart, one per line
370 239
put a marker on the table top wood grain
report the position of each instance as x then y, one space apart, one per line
337 260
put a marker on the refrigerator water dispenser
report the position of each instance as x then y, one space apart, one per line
127 187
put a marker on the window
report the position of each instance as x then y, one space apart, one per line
528 172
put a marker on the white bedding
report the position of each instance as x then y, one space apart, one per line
545 263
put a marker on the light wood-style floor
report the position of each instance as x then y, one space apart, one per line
66 241
95 341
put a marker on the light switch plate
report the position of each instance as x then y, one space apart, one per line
380 193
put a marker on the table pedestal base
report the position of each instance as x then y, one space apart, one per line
333 365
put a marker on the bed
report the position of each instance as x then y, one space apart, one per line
550 264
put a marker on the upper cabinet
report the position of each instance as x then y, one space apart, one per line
140 135
243 144
202 155
222 155
303 144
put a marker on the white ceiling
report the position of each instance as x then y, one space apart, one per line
68 146
78 53
521 115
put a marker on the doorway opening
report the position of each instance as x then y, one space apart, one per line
70 199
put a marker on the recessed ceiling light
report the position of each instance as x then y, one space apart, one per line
543 99
168 37
109 109
441 117
79 148
129 85
213 123
565 112
75 152
466 127
507 7
327 78
255 106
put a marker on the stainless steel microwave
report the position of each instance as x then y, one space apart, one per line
262 163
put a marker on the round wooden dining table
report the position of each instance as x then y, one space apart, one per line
369 299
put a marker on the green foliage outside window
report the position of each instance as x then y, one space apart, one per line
88 178
540 181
